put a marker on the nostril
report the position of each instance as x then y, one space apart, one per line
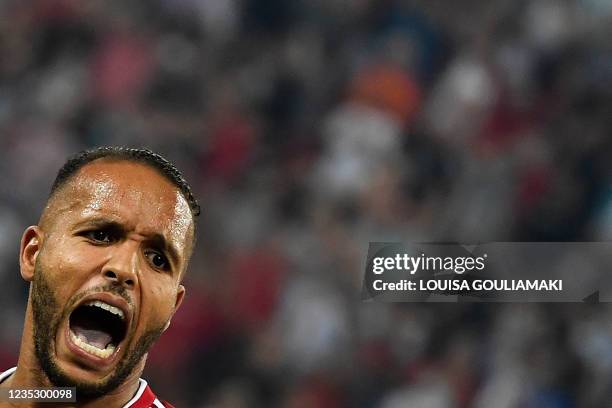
110 275
119 277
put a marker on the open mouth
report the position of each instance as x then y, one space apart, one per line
98 328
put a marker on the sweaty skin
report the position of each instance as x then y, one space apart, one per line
74 255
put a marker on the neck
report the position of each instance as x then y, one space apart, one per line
29 374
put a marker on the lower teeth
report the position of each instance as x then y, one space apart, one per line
92 349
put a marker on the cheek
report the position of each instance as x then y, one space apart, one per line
68 264
159 297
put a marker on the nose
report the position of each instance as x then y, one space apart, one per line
121 268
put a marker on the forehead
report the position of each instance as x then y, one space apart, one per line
131 193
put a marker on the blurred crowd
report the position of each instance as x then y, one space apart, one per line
309 128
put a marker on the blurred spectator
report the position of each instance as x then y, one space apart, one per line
308 129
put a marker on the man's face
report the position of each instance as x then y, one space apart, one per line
114 243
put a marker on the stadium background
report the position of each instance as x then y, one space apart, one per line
309 128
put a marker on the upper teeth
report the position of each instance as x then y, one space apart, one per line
106 306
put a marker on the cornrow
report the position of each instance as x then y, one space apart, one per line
145 156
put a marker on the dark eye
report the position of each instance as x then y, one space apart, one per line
100 236
158 260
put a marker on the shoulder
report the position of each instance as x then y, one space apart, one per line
144 397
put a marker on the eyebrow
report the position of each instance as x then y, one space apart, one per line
155 239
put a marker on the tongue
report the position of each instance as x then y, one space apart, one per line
97 338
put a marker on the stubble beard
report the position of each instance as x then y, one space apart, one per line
48 316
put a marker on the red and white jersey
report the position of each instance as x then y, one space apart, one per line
144 397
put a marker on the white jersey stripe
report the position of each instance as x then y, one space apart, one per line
141 388
158 404
7 374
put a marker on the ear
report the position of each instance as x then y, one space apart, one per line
31 242
180 294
